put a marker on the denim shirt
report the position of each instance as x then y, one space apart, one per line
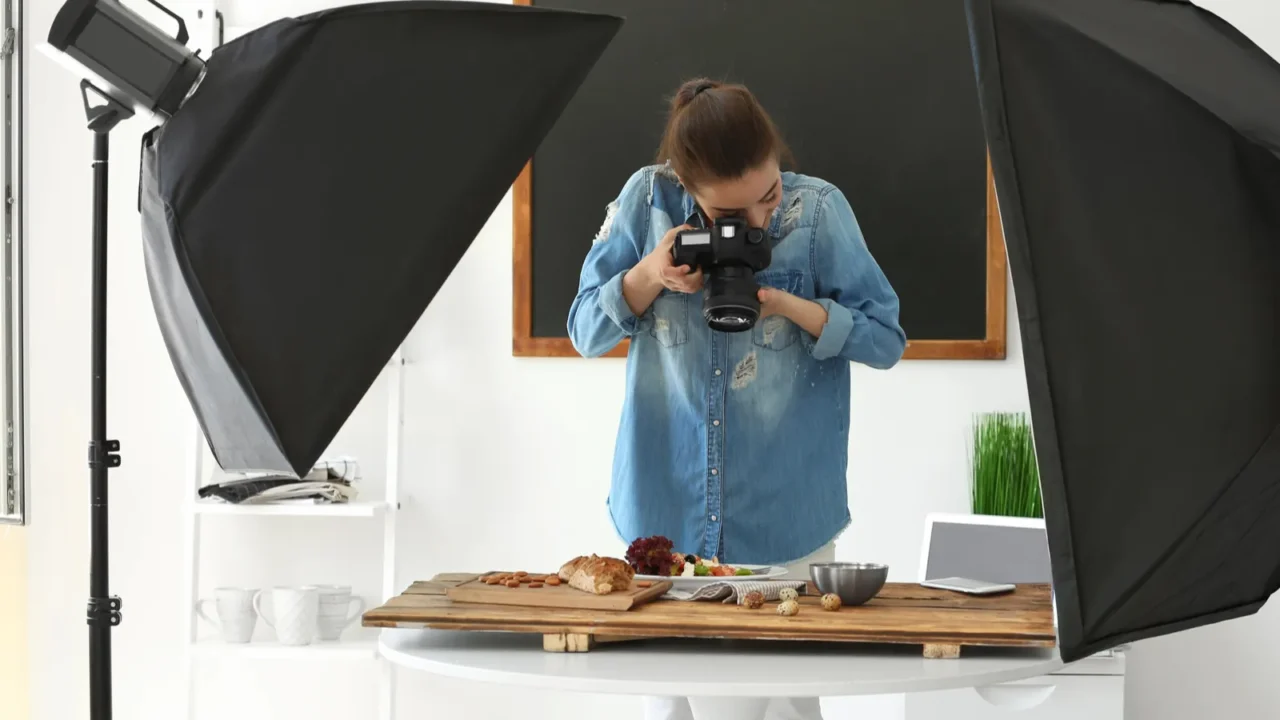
735 445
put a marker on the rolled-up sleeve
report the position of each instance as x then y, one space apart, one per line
599 317
615 306
862 307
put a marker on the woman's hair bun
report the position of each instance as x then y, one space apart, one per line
691 89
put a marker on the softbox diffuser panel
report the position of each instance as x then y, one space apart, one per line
1136 152
307 202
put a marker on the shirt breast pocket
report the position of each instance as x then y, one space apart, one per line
670 322
776 332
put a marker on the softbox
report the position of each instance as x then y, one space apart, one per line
1136 152
303 207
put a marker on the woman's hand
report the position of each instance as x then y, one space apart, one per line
642 283
676 278
773 301
809 315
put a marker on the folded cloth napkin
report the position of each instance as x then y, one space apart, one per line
734 592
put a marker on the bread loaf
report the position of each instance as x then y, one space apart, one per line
598 575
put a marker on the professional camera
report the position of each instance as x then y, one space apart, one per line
730 253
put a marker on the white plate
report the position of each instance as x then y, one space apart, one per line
758 572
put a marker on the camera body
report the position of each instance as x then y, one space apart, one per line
729 253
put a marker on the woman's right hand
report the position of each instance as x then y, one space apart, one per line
662 268
643 283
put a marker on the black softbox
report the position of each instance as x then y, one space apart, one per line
1136 152
303 207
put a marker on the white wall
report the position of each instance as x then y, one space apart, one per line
469 503
14 677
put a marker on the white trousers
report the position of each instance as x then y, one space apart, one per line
680 708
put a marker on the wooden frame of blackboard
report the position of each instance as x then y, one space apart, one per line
524 344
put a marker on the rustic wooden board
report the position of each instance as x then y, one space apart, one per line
905 613
472 590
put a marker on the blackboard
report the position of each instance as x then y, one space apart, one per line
876 96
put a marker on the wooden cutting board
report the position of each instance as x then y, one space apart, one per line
941 621
474 591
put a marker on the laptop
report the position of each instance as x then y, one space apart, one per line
991 549
987 548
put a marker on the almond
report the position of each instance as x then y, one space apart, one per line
644 583
553 580
513 583
535 584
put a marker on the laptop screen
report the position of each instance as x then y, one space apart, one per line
992 553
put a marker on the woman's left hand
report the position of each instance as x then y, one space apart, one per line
774 301
807 314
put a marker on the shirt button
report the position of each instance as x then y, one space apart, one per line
717 371
716 423
715 471
714 518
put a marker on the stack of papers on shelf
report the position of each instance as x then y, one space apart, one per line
330 481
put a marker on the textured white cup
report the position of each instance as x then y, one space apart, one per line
294 611
335 610
235 610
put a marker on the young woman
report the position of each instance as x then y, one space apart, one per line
734 445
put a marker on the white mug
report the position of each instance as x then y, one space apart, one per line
235 609
294 610
335 610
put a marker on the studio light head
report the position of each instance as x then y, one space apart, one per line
126 57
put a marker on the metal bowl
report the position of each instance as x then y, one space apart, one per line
855 583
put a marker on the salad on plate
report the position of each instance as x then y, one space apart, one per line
657 557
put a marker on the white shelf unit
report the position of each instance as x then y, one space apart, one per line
208 29
358 650
351 509
385 511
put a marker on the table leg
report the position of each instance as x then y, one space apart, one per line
728 708
667 708
801 708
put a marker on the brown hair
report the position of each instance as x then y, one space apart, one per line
718 131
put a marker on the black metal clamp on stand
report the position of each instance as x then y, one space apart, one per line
104 609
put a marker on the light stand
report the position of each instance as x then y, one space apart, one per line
130 66
104 609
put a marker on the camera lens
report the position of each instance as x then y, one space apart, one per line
729 302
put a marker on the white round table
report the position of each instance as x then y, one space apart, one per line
708 668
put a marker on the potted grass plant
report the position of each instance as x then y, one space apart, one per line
1006 479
